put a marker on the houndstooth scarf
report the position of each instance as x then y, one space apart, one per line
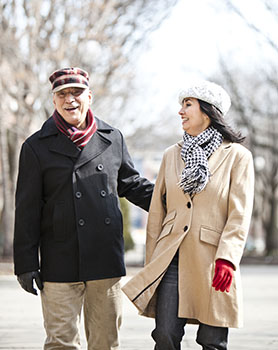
195 152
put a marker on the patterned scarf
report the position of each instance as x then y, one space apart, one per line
79 137
195 153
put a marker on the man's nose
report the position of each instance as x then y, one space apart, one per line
69 97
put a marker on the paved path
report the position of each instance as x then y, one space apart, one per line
21 325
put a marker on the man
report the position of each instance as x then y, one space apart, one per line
68 225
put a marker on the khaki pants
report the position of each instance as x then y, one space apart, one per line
102 305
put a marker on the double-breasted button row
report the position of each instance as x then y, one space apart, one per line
81 222
79 194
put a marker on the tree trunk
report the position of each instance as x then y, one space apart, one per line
272 228
7 212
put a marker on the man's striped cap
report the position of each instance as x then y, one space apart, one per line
69 77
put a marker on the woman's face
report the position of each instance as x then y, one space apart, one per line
194 121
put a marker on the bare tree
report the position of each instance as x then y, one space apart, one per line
39 36
255 106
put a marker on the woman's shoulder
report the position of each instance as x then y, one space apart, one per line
173 149
171 152
239 151
240 148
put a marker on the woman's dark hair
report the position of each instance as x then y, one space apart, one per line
219 123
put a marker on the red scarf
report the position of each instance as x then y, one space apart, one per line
79 137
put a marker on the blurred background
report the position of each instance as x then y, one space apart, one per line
139 53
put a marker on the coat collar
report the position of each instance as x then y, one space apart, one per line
61 144
49 128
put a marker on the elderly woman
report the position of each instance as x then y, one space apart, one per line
197 227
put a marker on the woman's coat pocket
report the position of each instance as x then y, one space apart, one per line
167 225
210 236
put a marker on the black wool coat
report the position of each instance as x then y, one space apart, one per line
67 220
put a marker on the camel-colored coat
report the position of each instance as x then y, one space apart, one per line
213 225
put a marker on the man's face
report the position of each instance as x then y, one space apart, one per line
72 104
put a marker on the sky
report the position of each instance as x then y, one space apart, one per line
189 43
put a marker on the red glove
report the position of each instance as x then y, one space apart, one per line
223 275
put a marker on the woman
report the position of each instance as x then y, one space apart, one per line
197 227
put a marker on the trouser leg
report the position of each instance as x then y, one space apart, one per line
103 313
61 305
212 338
169 328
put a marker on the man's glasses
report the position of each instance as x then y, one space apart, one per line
74 92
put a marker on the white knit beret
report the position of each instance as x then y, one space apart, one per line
209 92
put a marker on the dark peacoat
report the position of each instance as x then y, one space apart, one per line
67 221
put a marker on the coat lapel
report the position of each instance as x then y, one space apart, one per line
179 165
59 144
64 146
218 157
94 148
178 161
97 145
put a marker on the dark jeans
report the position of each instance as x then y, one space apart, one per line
169 328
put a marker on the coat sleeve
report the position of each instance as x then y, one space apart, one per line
27 212
131 185
240 206
157 212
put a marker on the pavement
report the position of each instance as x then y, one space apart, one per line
21 324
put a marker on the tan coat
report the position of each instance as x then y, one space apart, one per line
212 225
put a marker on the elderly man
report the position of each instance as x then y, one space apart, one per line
68 226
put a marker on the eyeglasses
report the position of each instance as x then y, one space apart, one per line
74 92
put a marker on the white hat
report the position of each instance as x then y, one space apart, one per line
209 92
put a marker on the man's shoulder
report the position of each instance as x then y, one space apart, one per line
103 126
108 131
48 128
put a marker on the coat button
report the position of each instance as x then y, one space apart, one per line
103 193
107 221
185 228
78 194
81 222
188 205
100 167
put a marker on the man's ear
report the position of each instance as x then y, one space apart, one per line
53 99
90 94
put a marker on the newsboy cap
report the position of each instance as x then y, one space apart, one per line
209 92
69 77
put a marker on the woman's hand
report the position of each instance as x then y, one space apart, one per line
223 275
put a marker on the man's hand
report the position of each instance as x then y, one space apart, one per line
26 281
223 275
